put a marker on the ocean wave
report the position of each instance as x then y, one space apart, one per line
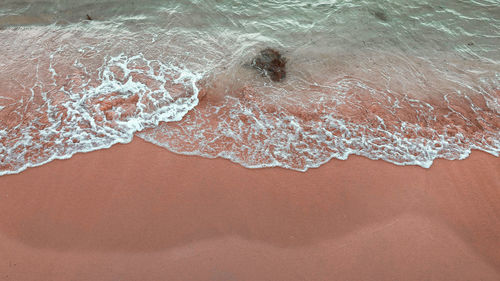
74 106
266 127
404 82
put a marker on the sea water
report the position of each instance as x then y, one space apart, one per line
403 81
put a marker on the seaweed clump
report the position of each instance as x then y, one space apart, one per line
270 64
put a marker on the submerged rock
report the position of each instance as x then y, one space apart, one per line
381 15
271 64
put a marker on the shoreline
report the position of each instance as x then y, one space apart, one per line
138 211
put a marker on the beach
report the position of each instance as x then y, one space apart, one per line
233 140
139 212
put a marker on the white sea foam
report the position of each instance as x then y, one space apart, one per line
95 110
287 131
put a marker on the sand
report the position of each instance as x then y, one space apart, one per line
139 212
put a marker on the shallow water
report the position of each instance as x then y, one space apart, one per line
395 80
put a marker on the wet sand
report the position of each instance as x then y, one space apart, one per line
139 212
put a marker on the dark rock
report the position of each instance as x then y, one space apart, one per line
380 15
271 64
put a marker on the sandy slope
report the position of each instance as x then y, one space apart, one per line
139 212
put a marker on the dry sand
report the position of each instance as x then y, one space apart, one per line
139 212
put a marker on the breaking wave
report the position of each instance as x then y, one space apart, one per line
72 104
